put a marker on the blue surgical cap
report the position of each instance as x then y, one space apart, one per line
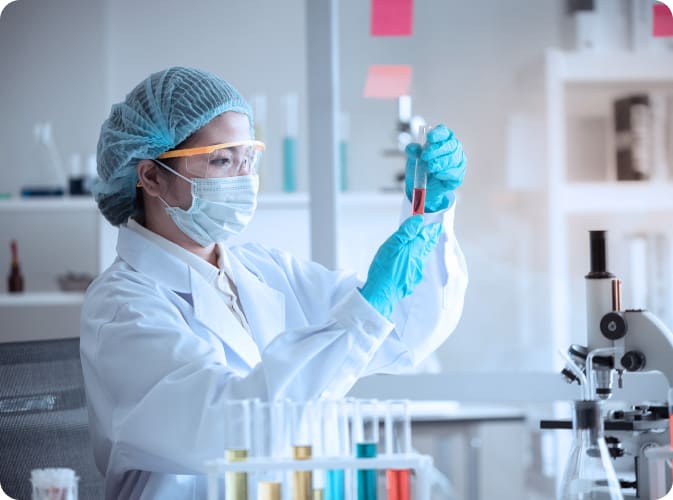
157 115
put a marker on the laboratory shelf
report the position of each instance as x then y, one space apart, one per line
41 299
617 197
55 203
612 67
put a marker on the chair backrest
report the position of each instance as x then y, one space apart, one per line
43 416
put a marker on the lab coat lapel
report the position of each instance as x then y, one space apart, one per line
210 310
263 306
174 274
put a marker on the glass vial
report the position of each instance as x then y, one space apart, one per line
15 278
589 473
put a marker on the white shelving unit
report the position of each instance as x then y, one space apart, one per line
569 200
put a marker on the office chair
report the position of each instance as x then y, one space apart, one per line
43 416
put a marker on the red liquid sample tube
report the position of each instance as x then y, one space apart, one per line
398 484
418 202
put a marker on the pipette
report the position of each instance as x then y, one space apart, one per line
420 177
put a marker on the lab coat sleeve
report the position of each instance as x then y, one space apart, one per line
327 360
424 319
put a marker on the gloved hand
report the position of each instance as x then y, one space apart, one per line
398 264
445 163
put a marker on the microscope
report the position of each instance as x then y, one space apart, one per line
618 341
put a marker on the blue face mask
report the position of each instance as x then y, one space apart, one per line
221 207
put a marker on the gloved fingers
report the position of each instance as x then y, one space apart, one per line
437 149
454 172
410 227
440 133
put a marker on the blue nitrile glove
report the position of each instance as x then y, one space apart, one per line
398 264
445 162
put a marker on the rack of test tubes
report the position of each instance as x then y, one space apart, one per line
349 449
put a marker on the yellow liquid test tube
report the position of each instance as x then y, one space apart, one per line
236 483
318 494
268 490
302 479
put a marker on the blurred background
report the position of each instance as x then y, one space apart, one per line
532 88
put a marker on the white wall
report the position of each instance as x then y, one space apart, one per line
68 60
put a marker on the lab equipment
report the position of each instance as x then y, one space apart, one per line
155 117
398 441
238 437
344 137
53 484
15 278
75 176
269 436
291 104
336 443
269 491
303 420
589 473
397 267
50 178
621 342
303 427
366 440
420 178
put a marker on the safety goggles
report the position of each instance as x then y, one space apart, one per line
219 160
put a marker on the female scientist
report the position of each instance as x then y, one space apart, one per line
180 322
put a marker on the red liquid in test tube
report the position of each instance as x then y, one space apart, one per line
398 485
418 201
420 178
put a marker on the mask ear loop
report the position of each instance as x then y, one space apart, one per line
176 173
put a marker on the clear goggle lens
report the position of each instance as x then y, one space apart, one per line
220 160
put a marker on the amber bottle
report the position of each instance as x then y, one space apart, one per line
15 279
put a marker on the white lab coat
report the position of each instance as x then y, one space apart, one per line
161 353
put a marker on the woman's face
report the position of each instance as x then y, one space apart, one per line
227 127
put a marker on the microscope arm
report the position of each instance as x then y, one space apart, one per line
648 335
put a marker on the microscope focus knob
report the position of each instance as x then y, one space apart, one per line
633 361
613 326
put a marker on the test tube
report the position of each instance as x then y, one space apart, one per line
268 443
366 438
336 444
398 442
420 177
237 427
302 425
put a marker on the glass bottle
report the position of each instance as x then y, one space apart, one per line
589 474
15 278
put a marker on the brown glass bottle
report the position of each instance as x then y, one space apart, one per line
15 279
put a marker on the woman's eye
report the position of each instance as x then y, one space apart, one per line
220 162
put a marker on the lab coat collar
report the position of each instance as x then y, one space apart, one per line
264 307
174 274
148 258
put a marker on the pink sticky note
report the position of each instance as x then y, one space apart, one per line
662 20
388 81
392 17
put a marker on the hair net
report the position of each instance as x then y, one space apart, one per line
157 115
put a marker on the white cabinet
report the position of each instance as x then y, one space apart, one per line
581 187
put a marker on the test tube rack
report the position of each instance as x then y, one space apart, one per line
420 464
